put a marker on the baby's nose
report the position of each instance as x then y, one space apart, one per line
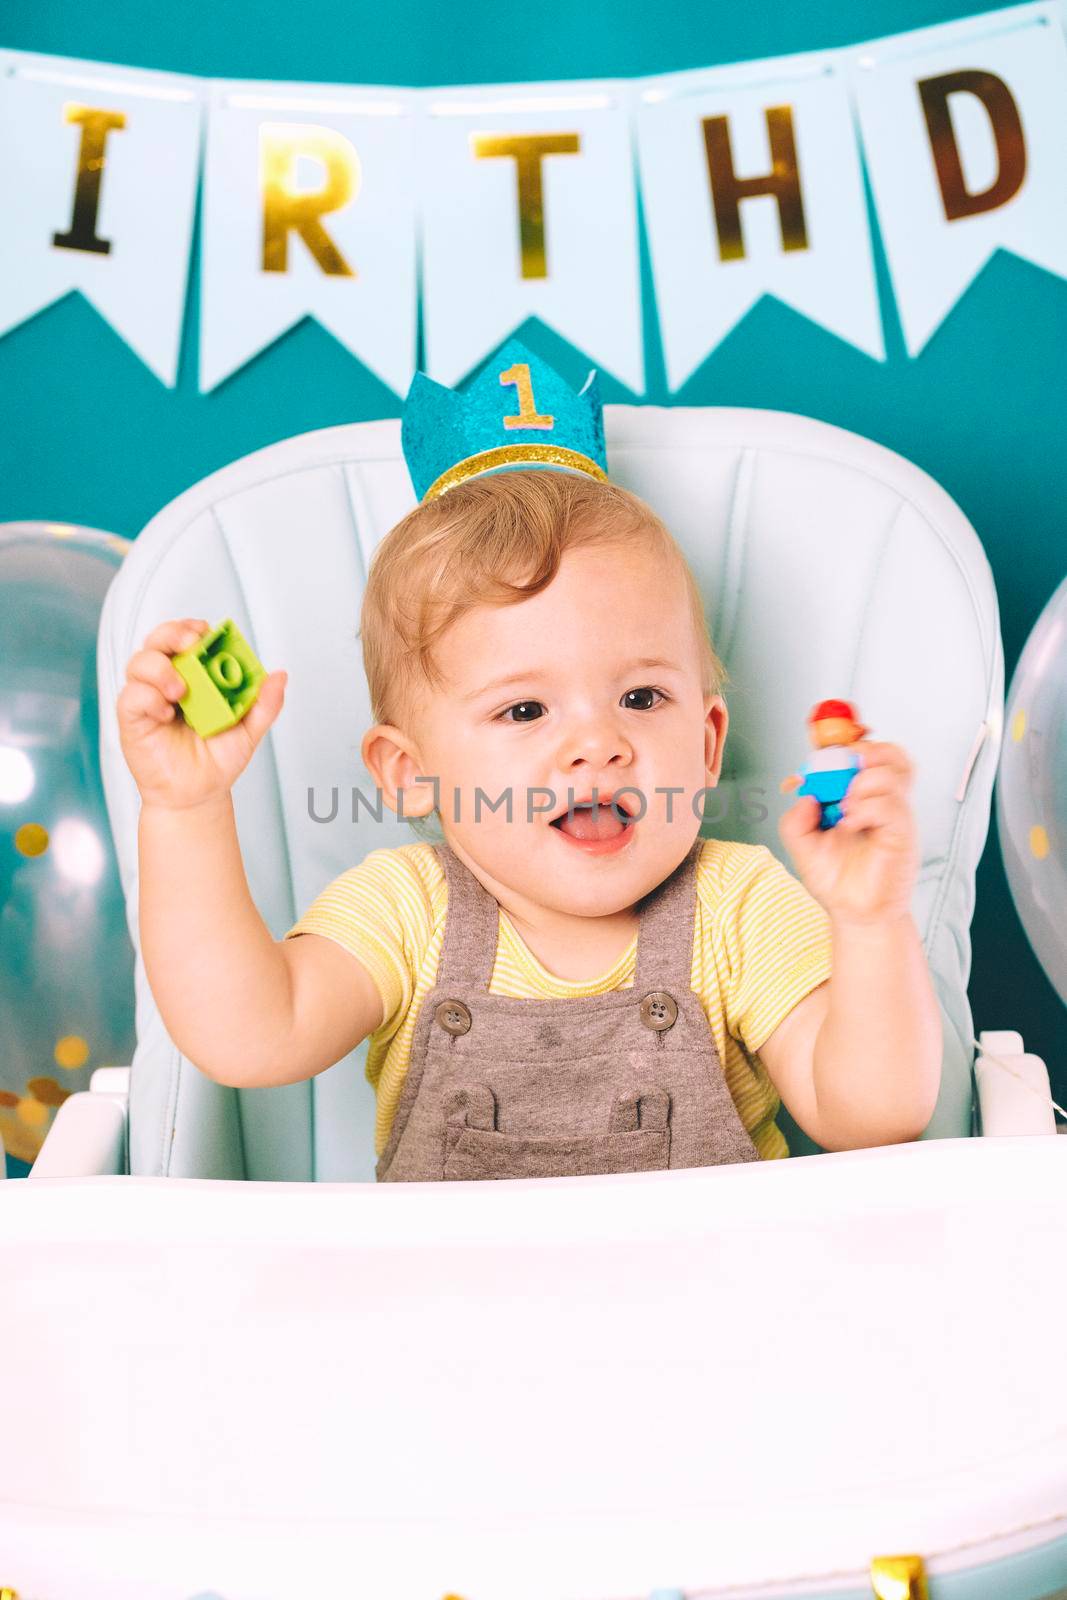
597 741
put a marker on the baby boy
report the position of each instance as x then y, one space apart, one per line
560 976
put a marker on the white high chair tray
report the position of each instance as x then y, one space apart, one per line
749 1377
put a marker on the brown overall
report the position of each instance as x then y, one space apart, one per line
628 1081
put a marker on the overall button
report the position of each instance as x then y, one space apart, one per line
659 1010
454 1016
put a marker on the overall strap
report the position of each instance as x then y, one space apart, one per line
472 926
665 929
664 940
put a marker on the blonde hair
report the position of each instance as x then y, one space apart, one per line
493 540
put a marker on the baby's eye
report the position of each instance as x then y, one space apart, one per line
645 707
520 705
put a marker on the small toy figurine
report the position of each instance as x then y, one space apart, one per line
223 675
833 727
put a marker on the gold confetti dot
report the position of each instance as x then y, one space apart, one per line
1018 725
48 1091
31 839
1038 842
32 1113
71 1052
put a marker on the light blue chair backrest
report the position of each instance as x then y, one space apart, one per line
830 567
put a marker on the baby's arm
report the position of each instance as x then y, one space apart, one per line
876 1066
863 1062
243 1007
857 1063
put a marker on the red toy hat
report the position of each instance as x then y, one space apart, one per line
843 709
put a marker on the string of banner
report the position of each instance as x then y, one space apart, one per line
502 202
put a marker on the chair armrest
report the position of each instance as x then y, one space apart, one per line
88 1137
1007 1104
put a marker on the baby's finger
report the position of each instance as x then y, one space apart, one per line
873 781
875 753
269 702
801 819
152 666
879 811
176 635
140 699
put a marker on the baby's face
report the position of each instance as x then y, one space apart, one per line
594 682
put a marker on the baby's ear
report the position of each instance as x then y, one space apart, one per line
716 722
393 763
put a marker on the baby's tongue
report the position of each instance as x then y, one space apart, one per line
591 822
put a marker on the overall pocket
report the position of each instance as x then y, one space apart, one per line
637 1139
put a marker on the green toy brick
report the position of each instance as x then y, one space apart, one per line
223 675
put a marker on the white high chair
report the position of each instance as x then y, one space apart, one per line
829 566
310 1383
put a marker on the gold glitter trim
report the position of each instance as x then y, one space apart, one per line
552 454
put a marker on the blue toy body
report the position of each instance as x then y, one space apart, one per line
829 785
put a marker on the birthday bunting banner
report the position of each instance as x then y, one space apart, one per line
965 134
309 210
752 185
347 203
528 208
98 175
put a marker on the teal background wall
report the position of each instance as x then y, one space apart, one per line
88 435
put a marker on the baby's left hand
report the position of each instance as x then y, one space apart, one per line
864 869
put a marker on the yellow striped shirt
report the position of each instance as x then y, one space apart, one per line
760 944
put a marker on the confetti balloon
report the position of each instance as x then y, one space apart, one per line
1032 789
66 962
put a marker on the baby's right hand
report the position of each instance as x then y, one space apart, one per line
171 764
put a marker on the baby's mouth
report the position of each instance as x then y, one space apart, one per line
589 822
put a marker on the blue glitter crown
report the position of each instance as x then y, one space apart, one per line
517 412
